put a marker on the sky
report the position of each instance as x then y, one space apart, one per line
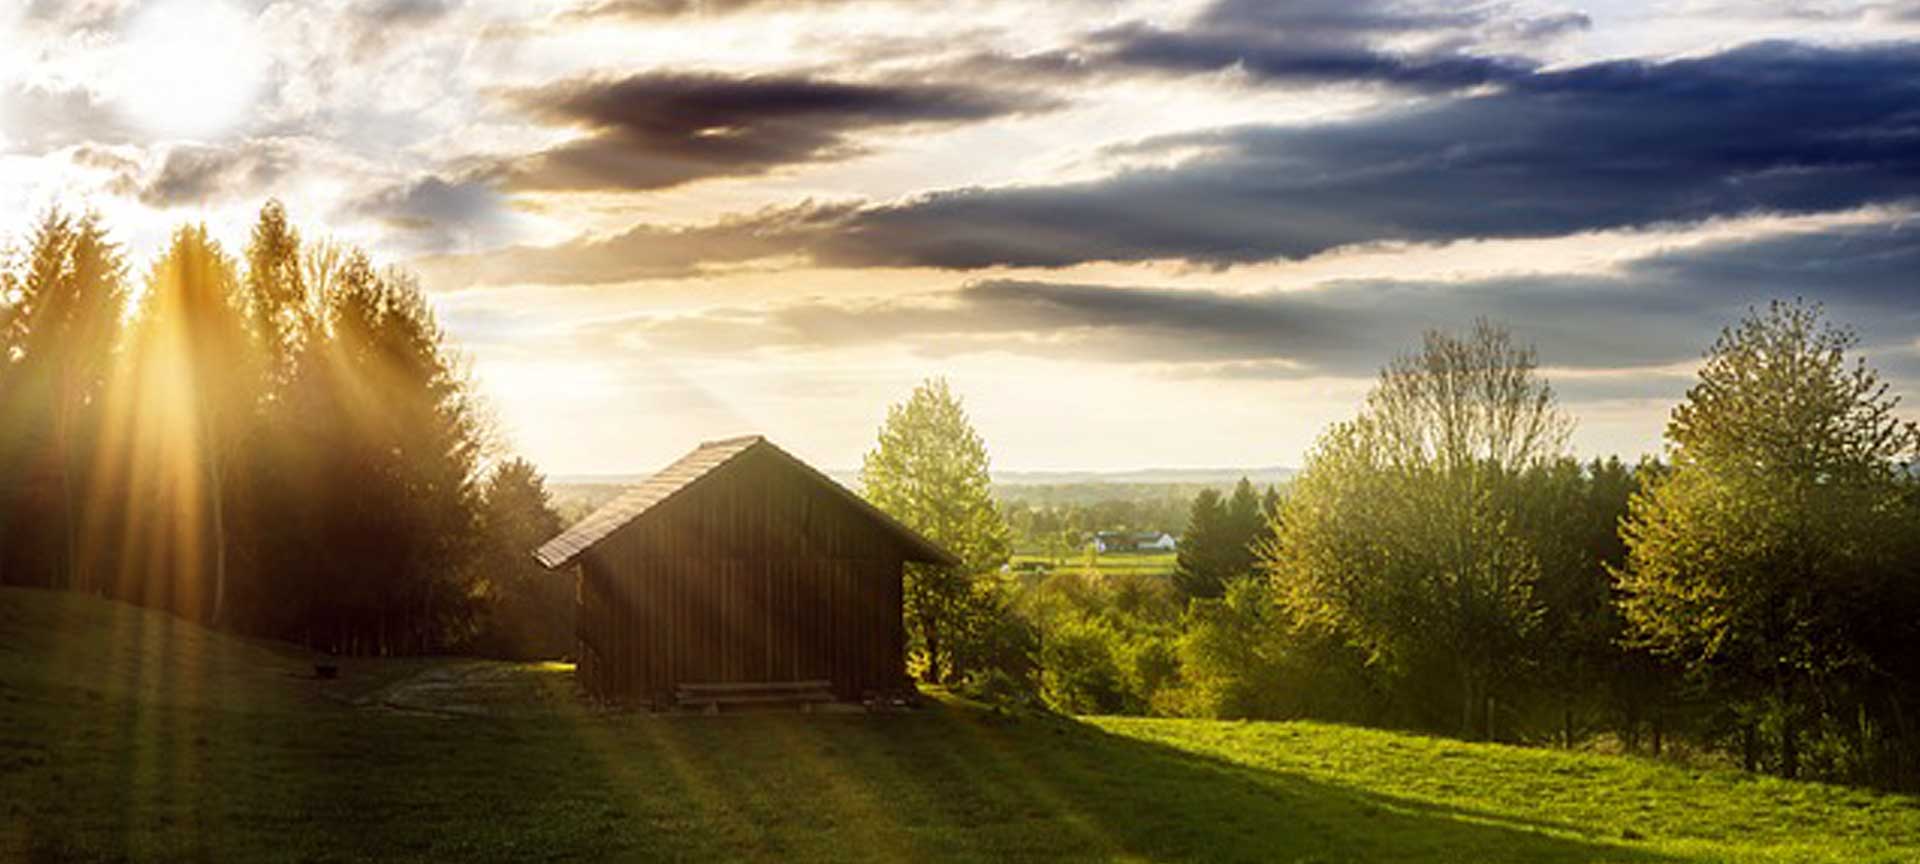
1130 234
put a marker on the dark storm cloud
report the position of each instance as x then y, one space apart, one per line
1772 127
657 130
1277 56
1339 41
1655 311
1426 47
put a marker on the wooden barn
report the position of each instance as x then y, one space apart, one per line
739 572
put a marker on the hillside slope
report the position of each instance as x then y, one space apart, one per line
128 735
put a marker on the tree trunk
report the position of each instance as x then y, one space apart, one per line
1566 726
1789 744
1659 729
218 491
1470 699
1750 747
931 634
69 512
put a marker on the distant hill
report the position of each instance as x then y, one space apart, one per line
1149 476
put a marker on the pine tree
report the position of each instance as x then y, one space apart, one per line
1221 541
64 326
1200 567
189 384
530 614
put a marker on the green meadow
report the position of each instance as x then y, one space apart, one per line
128 735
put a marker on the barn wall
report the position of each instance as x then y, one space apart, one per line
755 574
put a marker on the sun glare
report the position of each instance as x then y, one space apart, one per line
192 67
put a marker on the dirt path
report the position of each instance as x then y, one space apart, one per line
476 688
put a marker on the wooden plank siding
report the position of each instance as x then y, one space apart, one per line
754 574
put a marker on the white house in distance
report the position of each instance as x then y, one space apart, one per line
1133 541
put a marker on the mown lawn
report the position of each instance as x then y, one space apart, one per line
126 735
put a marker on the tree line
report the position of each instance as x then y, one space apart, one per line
1444 563
281 443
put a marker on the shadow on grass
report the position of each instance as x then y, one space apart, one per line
256 766
1144 799
948 783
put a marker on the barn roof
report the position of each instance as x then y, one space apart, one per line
686 473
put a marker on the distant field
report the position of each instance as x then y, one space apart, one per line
128 736
1119 563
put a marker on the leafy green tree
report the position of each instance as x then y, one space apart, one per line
1761 560
1401 536
930 471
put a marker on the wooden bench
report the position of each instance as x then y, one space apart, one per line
713 696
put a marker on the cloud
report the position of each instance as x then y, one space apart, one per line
435 215
1771 127
644 252
407 12
200 174
37 118
657 130
376 26
1649 315
77 17
1425 47
1289 58
647 10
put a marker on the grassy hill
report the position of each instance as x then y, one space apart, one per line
127 735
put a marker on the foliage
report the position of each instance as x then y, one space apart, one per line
287 448
1401 533
60 327
530 610
1241 657
1106 643
186 390
1767 560
1222 540
930 471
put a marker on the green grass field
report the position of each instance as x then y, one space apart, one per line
127 735
1113 564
